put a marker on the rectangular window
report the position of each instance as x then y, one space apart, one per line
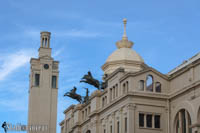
118 127
110 129
104 131
157 121
111 94
82 115
54 80
126 126
141 120
149 120
103 102
117 90
37 79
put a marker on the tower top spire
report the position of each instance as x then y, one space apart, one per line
45 49
45 39
124 43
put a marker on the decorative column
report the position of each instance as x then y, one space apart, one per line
131 118
113 123
186 121
113 93
153 126
145 120
107 125
110 95
145 85
180 122
121 120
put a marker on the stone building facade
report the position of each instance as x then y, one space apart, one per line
138 98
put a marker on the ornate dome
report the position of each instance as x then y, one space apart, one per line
124 54
124 57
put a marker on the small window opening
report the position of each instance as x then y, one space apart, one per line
149 83
54 80
37 79
158 87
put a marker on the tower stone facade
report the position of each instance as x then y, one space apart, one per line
43 90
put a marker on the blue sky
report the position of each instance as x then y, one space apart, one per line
84 33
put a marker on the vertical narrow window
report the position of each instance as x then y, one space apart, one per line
116 90
113 92
103 102
37 79
124 88
110 94
127 86
141 120
157 121
82 115
118 127
141 85
85 112
45 42
158 87
110 129
104 131
149 83
89 110
126 126
54 80
149 120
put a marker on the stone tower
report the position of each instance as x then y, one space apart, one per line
43 90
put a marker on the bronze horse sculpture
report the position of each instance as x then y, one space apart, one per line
74 95
88 78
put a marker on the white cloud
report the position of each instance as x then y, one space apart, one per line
13 61
57 52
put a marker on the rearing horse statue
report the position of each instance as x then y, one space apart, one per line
88 78
74 95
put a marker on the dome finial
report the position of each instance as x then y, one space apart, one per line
125 22
124 43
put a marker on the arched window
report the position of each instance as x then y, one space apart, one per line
158 87
149 83
88 131
141 85
183 122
